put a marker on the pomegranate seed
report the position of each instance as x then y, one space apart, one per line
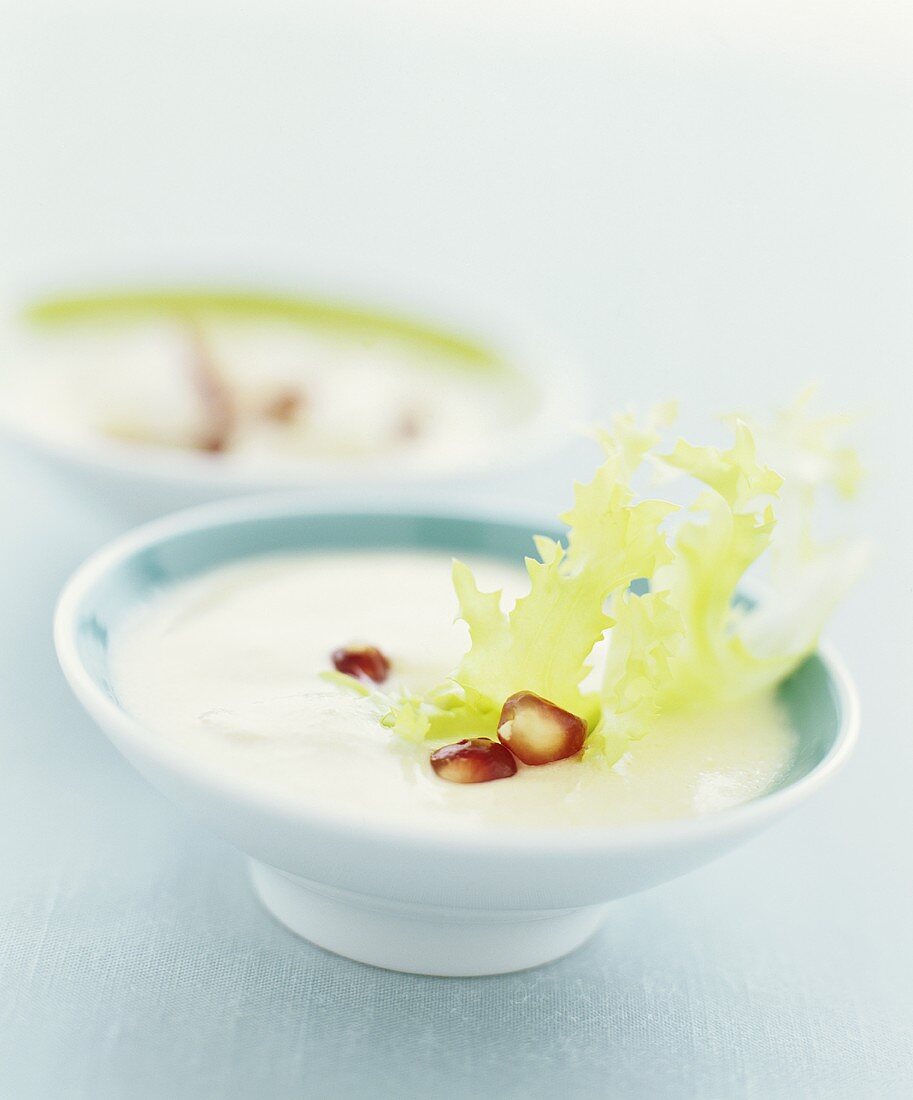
217 401
410 425
537 731
362 662
284 406
474 760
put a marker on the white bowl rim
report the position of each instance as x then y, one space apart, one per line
555 841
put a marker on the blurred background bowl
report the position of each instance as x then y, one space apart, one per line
515 379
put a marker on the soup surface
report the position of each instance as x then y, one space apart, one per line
229 664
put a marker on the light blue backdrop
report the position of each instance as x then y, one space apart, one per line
714 205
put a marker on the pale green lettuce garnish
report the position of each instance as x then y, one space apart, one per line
732 527
543 643
204 305
611 541
808 575
687 641
646 633
720 649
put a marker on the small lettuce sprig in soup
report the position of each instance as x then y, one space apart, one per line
587 660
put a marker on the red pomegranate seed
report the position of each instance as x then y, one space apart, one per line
538 732
410 425
217 401
474 760
284 406
362 662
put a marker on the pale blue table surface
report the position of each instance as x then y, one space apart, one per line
706 200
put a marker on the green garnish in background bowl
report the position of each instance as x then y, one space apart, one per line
336 318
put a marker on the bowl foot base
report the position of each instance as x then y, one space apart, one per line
421 939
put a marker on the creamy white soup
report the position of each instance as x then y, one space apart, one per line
229 666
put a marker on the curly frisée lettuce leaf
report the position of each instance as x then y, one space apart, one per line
728 650
808 576
646 633
543 643
585 640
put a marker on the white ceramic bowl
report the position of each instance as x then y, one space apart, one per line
430 904
138 482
